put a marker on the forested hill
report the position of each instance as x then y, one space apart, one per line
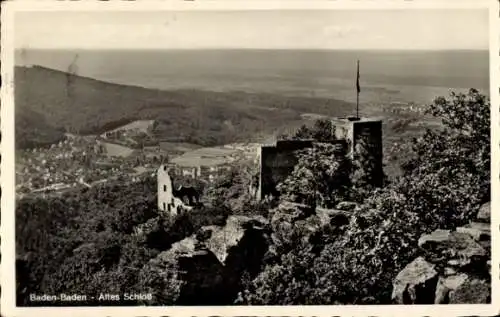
49 102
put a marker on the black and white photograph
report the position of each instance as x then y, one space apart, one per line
244 157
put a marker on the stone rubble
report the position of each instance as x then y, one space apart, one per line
454 268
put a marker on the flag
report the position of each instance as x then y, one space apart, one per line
357 80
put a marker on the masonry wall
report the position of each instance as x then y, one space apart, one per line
355 137
367 140
364 138
277 162
167 202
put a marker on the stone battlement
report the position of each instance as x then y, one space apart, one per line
354 136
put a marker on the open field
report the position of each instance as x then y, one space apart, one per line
178 146
212 156
113 149
138 125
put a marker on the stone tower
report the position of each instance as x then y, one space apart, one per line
355 138
167 202
364 138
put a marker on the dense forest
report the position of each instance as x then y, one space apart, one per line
112 238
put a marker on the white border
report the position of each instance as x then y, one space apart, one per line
495 151
7 175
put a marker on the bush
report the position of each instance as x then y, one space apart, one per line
320 177
446 178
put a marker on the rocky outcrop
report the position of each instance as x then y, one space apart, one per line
447 284
454 266
291 220
223 240
347 205
455 249
209 266
416 283
474 291
287 218
477 230
484 214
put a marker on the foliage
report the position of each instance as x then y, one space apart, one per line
110 238
234 189
322 159
444 182
450 168
159 277
320 177
403 124
98 240
323 130
366 174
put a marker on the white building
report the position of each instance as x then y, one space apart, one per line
167 202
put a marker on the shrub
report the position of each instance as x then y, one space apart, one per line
446 178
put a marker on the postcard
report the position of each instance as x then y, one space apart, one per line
250 158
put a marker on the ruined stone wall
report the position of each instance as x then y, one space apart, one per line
278 161
367 145
361 138
364 140
167 202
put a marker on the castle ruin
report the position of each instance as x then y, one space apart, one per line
352 137
171 200
363 137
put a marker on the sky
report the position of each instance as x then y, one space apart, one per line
424 29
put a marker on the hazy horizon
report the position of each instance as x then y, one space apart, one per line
385 75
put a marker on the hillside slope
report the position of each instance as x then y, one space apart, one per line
49 102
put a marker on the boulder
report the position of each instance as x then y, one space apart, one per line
480 231
293 211
484 214
208 272
346 205
471 291
223 239
416 283
240 247
448 271
288 218
458 249
447 284
334 217
181 272
437 237
183 248
456 263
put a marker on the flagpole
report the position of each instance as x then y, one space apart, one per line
357 92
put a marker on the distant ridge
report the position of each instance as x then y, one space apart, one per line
50 102
49 70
